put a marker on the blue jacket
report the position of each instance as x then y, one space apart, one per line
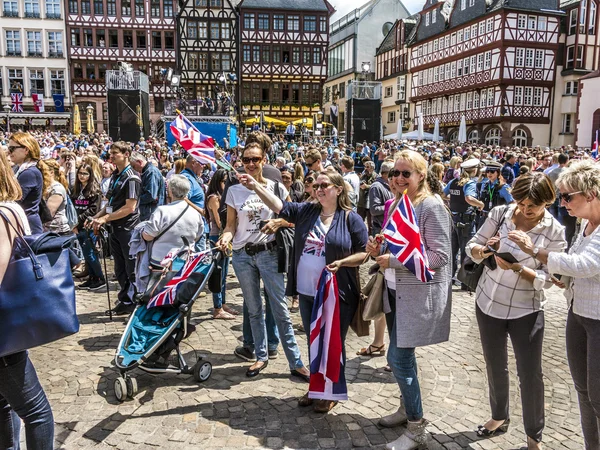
347 235
152 191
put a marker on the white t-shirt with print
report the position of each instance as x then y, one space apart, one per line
250 211
312 260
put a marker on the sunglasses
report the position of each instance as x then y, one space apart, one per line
12 148
84 174
323 186
310 163
309 179
397 173
568 196
491 170
255 160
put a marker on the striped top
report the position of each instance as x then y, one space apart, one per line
504 294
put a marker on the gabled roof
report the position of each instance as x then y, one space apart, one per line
302 5
566 3
389 41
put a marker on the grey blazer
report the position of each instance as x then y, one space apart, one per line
423 309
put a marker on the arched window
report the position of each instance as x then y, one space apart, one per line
492 137
520 138
453 136
473 137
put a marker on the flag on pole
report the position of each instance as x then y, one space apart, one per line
17 102
38 102
327 379
200 146
404 240
595 147
59 102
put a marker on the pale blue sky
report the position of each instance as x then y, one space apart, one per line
343 7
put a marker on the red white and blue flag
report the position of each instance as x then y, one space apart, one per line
327 379
200 146
404 240
595 146
17 102
168 294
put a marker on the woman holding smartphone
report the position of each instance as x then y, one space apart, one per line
510 301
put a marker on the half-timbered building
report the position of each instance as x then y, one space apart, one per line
207 55
493 62
102 33
283 50
392 69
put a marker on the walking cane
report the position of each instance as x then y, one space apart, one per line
104 238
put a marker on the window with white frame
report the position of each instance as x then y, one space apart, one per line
542 23
444 105
467 34
10 8
473 136
57 81
469 101
435 45
391 117
459 67
519 57
55 43
491 97
522 21
441 73
593 12
532 22
567 123
453 39
474 31
463 5
473 63
480 62
466 63
579 57
537 96
436 74
493 137
34 43
463 100
518 99
571 87
451 104
457 103
401 88
447 41
489 25
53 9
481 28
459 36
447 70
427 19
389 91
528 96
476 100
582 15
471 2
483 98
453 69
15 80
570 57
529 57
433 16
32 8
488 59
13 42
520 138
36 77
573 21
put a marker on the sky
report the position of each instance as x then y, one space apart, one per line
343 7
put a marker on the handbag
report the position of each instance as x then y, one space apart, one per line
373 291
37 297
470 272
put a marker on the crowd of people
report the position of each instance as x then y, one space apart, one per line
529 215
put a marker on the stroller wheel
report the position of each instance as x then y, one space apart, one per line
132 386
120 389
202 371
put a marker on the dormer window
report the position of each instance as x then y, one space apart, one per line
471 3
427 19
463 5
433 16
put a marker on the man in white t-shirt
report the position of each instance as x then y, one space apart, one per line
351 178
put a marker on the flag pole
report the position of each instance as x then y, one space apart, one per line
380 237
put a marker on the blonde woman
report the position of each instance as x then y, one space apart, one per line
56 198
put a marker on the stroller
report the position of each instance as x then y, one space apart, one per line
160 321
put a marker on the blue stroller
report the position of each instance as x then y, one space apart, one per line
160 321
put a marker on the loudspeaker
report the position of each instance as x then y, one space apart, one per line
122 115
363 120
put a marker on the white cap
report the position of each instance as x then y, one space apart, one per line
470 163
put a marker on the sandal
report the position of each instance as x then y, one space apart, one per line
371 350
224 315
482 431
324 406
305 401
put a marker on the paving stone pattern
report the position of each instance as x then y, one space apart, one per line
232 411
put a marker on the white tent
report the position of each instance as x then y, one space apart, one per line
421 128
412 136
462 130
399 130
436 131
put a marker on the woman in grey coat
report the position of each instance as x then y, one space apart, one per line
418 314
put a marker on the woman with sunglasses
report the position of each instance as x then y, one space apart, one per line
417 313
510 301
33 176
255 257
579 186
328 234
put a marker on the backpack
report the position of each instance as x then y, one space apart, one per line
71 213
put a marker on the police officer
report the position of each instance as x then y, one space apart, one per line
464 206
492 191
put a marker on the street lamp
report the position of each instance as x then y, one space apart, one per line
7 109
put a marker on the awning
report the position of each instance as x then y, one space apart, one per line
60 121
309 122
38 121
17 121
266 120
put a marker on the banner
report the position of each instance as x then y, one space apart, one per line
17 102
59 102
38 102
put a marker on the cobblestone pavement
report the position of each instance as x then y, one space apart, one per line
232 411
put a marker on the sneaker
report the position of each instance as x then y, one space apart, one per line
244 353
273 354
85 285
97 285
123 308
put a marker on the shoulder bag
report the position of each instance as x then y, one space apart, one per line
373 292
37 297
285 243
470 271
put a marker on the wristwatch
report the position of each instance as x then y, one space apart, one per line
535 252
520 270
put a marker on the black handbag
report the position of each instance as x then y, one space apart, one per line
37 296
470 271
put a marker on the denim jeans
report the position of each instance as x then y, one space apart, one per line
87 240
250 270
21 392
219 298
200 244
404 367
272 334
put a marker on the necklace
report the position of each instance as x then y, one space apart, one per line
327 215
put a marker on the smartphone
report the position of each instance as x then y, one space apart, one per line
508 257
490 249
555 277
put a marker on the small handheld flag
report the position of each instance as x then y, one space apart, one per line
404 240
200 146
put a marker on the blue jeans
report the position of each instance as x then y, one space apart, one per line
272 334
404 367
250 270
201 244
21 392
219 298
87 240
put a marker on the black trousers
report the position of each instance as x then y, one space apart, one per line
124 266
527 336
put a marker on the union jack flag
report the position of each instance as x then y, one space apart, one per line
404 240
327 378
17 102
200 146
168 294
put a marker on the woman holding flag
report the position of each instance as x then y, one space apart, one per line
329 235
416 256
